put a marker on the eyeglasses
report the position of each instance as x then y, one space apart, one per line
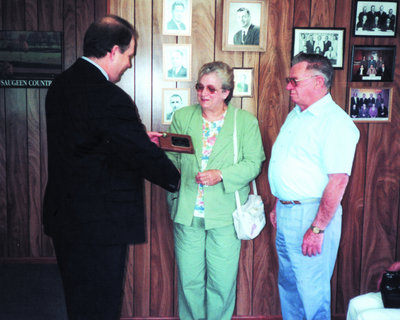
199 88
295 82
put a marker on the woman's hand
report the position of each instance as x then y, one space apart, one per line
209 177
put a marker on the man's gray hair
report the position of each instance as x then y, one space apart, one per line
316 62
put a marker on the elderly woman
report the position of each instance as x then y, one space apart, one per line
206 246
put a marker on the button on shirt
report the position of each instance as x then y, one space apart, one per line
311 144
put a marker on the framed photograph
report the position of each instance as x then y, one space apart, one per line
30 59
177 17
328 42
177 62
245 25
370 104
372 63
243 78
172 100
375 18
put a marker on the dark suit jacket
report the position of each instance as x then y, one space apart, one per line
172 25
252 36
181 73
98 155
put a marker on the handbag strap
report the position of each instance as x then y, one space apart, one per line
235 158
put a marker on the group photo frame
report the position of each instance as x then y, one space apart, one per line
177 60
328 42
375 18
177 17
372 63
243 82
244 25
368 104
172 100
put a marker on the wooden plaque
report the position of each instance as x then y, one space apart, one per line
176 143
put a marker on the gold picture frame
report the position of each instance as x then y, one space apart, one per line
245 25
364 100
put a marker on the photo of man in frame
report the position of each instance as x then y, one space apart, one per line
177 17
244 23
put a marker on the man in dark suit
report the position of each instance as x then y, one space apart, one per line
177 70
98 155
178 10
249 33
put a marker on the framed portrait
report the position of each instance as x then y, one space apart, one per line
372 63
177 17
177 62
172 100
375 18
370 104
243 78
328 42
30 59
245 25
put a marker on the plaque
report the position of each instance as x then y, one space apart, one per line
176 143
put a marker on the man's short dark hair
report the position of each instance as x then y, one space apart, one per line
318 63
243 9
177 4
104 34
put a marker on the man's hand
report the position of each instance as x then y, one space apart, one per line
272 214
312 243
154 137
272 217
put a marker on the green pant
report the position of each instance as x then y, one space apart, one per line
207 269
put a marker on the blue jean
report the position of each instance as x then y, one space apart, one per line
303 281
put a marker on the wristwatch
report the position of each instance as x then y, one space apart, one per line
316 230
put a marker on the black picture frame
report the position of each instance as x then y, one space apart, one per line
372 63
370 18
333 41
30 59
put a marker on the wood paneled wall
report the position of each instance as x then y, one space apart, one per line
371 221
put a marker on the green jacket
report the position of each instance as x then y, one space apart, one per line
219 200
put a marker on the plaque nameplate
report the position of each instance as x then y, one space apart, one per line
176 143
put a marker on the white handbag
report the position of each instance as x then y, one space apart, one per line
248 219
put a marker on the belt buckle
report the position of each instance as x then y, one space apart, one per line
290 202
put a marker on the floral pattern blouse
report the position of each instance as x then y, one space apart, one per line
210 133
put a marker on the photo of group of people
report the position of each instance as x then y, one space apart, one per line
370 104
326 42
373 63
373 18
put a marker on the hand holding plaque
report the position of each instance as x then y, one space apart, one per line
176 142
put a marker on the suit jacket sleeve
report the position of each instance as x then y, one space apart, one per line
131 144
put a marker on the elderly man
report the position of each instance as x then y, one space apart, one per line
308 173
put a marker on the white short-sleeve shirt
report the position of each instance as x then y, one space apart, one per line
311 144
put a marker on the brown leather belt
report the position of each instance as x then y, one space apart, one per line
299 202
290 202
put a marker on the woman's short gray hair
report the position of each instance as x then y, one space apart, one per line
224 73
